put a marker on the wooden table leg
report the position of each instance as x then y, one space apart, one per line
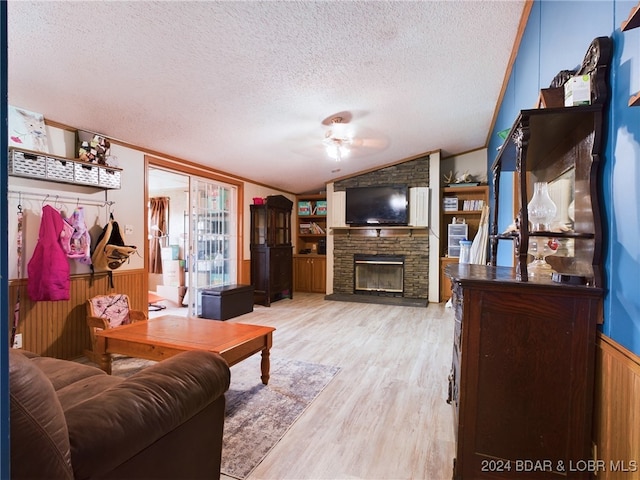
104 358
265 364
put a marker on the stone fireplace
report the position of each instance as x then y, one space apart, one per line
411 245
378 275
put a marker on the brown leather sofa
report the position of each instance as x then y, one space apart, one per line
73 421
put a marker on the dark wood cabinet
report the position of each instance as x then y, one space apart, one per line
522 374
560 146
271 250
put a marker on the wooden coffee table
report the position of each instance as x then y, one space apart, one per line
168 335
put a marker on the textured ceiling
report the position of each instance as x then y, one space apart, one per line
244 87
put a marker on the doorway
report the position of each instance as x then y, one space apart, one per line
199 246
168 237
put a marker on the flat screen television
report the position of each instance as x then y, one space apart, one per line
379 205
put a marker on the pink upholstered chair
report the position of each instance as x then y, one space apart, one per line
109 311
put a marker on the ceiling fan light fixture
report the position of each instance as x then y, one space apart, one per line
337 151
339 130
337 140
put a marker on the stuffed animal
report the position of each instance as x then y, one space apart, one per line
97 150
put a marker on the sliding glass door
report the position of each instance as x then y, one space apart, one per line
214 239
200 236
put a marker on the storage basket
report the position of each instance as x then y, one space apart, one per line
456 232
27 164
86 174
61 170
108 178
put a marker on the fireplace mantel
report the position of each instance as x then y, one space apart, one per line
409 230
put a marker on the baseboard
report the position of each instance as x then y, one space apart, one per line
616 410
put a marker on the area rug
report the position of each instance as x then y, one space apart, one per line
257 415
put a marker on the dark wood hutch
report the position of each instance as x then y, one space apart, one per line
522 375
271 250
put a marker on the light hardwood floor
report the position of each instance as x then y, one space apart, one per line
384 416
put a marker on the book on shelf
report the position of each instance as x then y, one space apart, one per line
316 229
304 208
311 228
472 205
305 228
321 207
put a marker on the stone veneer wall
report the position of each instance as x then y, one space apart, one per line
413 244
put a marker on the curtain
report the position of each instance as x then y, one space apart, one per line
158 231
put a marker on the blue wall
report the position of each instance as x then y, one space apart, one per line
556 38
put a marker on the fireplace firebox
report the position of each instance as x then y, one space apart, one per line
381 275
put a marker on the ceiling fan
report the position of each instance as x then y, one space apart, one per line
342 138
338 139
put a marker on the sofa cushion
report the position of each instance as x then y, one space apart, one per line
85 389
62 373
39 436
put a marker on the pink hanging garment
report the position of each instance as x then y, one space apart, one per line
75 239
48 268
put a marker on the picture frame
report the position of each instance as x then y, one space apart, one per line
27 130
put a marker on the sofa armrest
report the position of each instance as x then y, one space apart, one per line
112 427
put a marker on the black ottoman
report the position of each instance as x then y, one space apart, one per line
227 301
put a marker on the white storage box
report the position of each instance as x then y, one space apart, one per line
86 174
173 273
27 164
450 204
172 252
577 91
60 170
108 178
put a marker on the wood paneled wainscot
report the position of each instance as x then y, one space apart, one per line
59 329
617 411
522 375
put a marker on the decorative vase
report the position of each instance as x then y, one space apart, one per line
541 209
541 248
